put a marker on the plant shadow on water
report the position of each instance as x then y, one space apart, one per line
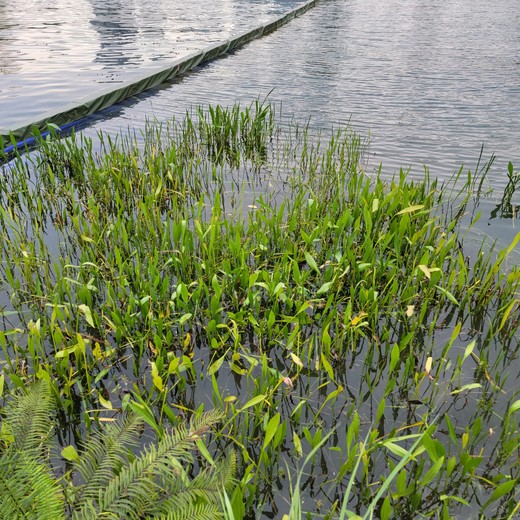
231 261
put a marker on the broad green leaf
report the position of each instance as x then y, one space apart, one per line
386 509
394 357
410 209
470 386
514 407
85 310
70 453
396 449
432 472
324 288
507 312
143 411
104 402
254 401
297 443
204 451
448 295
185 317
216 365
453 497
468 350
271 428
333 394
312 263
500 491
327 366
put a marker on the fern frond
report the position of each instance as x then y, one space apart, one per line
206 487
28 418
135 489
28 489
104 453
192 512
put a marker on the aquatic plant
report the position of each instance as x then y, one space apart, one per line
189 268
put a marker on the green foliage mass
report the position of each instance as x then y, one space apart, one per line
111 477
242 261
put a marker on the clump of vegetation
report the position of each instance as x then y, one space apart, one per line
107 479
229 261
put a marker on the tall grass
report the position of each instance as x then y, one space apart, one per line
229 261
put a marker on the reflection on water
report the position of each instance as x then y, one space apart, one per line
115 23
432 82
52 54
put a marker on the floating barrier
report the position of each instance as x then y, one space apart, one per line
71 114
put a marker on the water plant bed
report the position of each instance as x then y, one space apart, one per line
361 352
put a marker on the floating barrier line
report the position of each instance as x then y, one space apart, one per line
72 113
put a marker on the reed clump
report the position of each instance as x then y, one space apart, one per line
235 262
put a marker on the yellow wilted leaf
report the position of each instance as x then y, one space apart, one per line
296 360
157 380
96 351
187 340
356 319
428 365
425 270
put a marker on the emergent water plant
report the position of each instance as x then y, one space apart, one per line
237 261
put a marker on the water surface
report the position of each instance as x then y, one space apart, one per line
53 53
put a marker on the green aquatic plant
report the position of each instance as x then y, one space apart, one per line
506 208
162 271
110 476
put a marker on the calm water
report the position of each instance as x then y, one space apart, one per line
431 81
54 52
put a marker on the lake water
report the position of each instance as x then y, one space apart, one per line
430 81
53 53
